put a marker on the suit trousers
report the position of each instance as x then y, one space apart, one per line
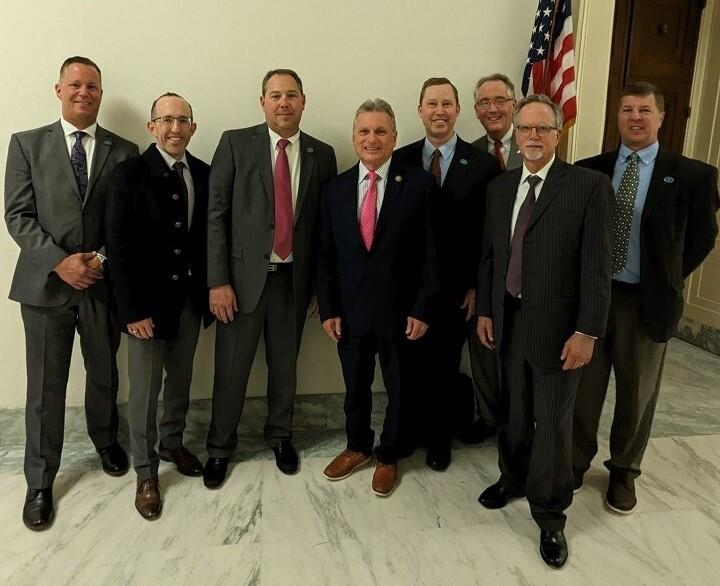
147 360
484 368
49 336
236 342
638 364
534 438
357 357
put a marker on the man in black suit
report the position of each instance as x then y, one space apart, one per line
462 173
375 278
55 186
156 236
543 296
664 226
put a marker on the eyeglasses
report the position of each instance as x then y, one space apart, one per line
485 104
183 121
525 130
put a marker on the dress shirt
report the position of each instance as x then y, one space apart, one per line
447 151
506 143
88 141
293 154
524 187
364 184
187 176
646 164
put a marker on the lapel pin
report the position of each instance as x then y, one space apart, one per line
107 141
398 178
463 161
309 150
669 179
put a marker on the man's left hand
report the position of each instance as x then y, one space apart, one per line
577 351
415 328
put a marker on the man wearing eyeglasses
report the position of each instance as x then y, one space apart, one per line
543 297
156 236
56 181
264 190
664 227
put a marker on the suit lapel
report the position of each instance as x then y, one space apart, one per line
514 158
57 136
263 162
307 168
507 206
393 186
349 201
553 183
103 144
459 167
662 181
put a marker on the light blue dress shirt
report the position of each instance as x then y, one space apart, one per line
446 154
646 164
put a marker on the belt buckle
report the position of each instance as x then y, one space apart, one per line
272 268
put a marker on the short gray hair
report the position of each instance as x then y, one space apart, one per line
376 105
495 77
540 99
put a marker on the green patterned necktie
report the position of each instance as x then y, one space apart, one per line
624 207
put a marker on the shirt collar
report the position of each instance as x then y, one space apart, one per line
172 160
275 137
446 150
68 128
382 170
646 155
542 173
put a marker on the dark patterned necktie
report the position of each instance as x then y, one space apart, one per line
435 167
623 212
78 159
499 155
513 281
179 166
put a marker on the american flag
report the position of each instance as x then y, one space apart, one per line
552 74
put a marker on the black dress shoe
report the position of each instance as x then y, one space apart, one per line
185 461
114 459
495 496
286 457
38 512
476 433
215 472
553 548
438 456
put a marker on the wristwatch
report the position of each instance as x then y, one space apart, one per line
103 260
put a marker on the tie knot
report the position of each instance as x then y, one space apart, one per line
79 135
533 180
436 154
498 143
633 157
373 176
179 166
282 143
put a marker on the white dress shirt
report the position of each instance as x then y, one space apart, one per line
364 184
524 187
88 141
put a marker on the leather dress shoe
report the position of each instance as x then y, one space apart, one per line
38 511
620 496
495 496
438 456
114 459
384 479
476 433
185 461
577 480
553 548
147 499
344 464
215 472
286 457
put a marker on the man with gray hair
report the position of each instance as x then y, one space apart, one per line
375 278
543 297
494 102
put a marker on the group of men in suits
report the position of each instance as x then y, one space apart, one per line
405 256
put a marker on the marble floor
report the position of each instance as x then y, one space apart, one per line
264 528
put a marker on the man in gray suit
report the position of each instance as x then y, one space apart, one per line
264 188
55 187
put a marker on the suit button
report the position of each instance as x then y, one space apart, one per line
175 196
178 224
175 277
177 251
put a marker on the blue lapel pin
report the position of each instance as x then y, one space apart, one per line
107 141
463 161
669 179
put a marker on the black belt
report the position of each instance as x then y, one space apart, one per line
512 302
623 286
275 267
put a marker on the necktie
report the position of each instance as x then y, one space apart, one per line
282 244
513 281
435 167
623 213
368 211
499 155
78 160
179 166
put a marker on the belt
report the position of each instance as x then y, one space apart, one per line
623 286
274 267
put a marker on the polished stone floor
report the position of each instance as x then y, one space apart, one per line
264 528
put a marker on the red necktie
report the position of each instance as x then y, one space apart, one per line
499 155
435 167
282 244
368 211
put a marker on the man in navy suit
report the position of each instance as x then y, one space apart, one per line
375 278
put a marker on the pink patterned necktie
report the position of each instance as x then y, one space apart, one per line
368 211
282 244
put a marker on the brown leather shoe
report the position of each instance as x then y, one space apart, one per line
147 499
186 462
345 464
384 479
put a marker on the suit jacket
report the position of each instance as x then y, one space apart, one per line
45 214
514 157
677 231
565 263
154 263
377 290
458 213
241 213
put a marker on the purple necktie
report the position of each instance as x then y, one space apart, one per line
282 245
78 160
513 281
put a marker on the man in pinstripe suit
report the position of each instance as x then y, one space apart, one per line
543 297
